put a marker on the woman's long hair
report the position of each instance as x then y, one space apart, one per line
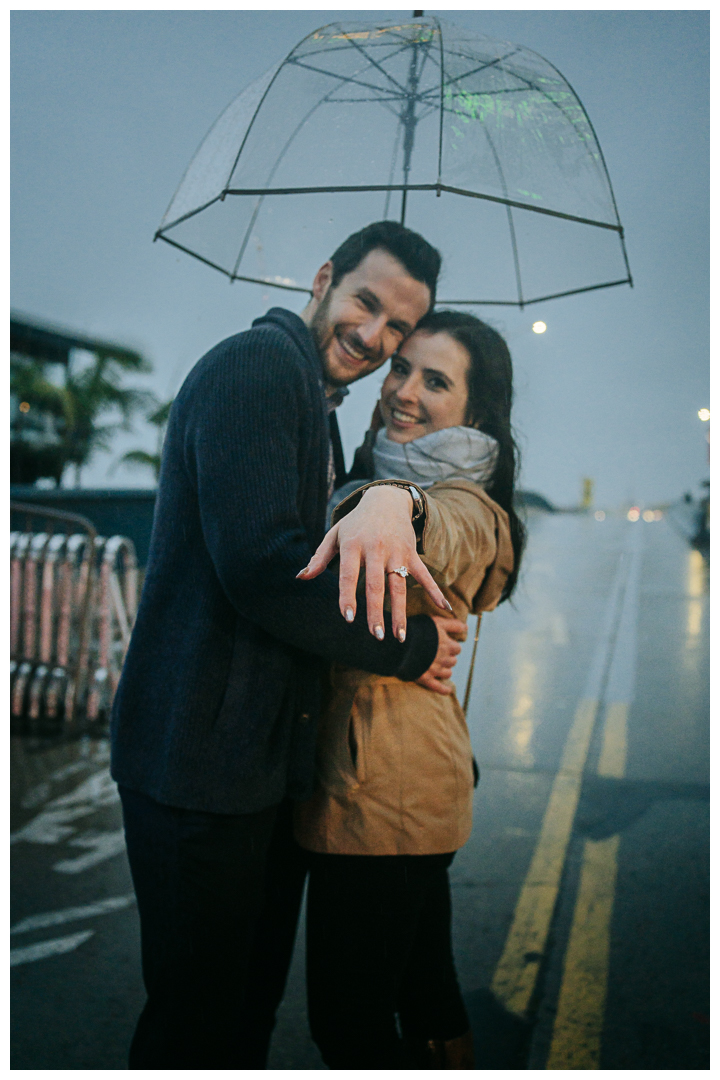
490 394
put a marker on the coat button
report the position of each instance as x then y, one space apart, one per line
304 717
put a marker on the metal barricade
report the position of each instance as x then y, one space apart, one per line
73 599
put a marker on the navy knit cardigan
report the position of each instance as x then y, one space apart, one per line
218 700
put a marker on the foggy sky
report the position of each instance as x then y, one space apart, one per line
108 107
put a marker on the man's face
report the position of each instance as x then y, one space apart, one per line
361 322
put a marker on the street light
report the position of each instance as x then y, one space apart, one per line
540 327
704 414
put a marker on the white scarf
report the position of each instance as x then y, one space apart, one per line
453 453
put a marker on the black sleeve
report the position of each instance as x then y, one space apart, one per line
243 436
337 450
363 464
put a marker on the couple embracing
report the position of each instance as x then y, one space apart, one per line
285 706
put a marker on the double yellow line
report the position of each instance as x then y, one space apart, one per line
578 1024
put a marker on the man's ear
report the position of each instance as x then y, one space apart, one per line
322 281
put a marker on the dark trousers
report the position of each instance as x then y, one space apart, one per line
379 951
218 897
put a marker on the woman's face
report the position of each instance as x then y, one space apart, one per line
426 388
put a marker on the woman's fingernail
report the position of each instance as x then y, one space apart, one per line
303 571
401 635
447 604
379 632
349 614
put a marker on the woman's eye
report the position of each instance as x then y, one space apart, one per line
437 384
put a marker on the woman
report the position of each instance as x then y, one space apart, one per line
395 766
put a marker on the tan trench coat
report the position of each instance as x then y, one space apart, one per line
394 760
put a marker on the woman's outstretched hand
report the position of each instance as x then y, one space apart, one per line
377 534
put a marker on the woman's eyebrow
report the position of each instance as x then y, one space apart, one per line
442 374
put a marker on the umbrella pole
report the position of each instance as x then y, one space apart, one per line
409 121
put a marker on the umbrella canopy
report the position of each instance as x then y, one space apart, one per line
480 145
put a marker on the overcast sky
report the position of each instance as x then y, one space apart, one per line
108 107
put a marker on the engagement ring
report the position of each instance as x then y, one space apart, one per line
401 570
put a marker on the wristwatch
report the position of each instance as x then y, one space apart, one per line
418 502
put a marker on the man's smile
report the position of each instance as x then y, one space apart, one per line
356 353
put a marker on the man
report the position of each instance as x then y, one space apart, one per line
214 718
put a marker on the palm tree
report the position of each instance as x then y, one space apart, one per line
158 418
75 410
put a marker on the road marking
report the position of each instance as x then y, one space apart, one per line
581 1005
614 748
103 845
55 947
72 914
516 975
51 825
577 1031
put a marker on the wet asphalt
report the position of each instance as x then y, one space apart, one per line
641 945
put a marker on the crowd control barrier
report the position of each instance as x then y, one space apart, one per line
73 598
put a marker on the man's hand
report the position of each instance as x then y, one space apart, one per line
436 676
378 535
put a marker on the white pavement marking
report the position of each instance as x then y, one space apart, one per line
72 914
99 789
103 846
51 825
55 947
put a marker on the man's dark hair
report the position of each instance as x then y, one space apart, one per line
420 259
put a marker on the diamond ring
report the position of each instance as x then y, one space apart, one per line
401 570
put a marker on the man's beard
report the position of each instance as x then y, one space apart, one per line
323 333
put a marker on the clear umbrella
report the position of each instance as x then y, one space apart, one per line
480 145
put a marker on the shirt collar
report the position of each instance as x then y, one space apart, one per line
335 398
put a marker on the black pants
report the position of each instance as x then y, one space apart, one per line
218 897
379 950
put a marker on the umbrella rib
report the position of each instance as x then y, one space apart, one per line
530 85
495 303
274 169
237 277
378 66
185 217
511 223
331 189
482 67
260 105
344 78
256 211
602 158
540 299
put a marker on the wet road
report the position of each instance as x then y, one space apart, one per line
581 899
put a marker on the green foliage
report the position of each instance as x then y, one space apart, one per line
158 418
78 418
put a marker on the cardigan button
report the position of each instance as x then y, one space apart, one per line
304 717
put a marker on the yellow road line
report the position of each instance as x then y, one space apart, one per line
614 747
516 974
581 1005
577 1032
